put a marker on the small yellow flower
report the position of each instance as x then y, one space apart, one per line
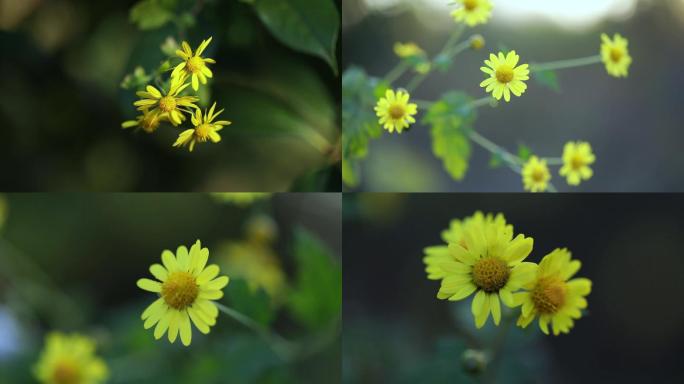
473 12
577 157
477 42
168 105
552 295
506 75
404 50
615 55
194 65
69 359
535 175
204 129
148 121
423 68
395 112
186 287
487 261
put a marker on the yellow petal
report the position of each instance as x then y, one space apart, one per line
149 285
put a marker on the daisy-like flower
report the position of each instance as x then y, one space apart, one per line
194 65
148 121
535 175
404 50
395 111
505 75
168 105
205 129
487 261
552 295
69 359
186 287
615 55
473 12
577 157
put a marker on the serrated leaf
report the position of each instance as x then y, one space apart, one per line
253 304
316 299
309 26
548 79
150 14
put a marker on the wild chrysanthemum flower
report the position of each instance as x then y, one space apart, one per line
194 65
148 121
205 129
506 75
615 55
395 111
535 175
577 157
552 295
489 261
69 359
473 12
404 50
168 105
186 287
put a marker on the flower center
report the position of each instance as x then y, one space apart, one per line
194 64
504 74
490 274
396 111
66 372
616 54
538 175
202 132
470 4
167 103
180 290
577 162
549 295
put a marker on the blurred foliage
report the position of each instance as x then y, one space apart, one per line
81 277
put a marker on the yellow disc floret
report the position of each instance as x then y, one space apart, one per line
490 274
180 290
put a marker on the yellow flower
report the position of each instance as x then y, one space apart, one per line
535 175
552 296
204 129
404 50
577 157
506 75
615 55
148 121
186 287
395 112
194 65
423 67
69 359
487 261
477 42
473 12
168 105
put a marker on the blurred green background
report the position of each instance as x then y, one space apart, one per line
62 105
397 331
70 262
633 124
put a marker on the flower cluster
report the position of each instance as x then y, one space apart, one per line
577 158
171 103
484 258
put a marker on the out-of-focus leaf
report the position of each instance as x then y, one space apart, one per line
309 26
524 152
151 14
316 299
449 117
350 172
548 79
495 161
254 304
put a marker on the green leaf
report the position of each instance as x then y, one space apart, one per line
309 26
547 79
524 152
316 300
350 172
151 14
254 304
495 161
449 117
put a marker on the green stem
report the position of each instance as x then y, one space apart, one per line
282 347
424 104
497 347
453 38
510 159
553 160
415 82
487 100
562 64
397 71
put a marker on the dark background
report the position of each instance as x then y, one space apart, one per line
61 104
629 246
633 124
